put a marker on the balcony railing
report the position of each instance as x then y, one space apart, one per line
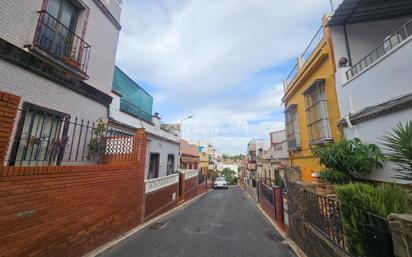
58 41
134 110
305 55
388 44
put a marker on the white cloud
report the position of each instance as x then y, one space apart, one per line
195 52
199 46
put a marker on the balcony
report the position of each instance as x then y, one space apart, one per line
61 45
384 48
304 57
134 111
372 80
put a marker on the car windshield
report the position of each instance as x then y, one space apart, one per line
220 179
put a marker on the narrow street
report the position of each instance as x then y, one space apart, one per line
222 223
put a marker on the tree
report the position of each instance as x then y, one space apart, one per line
346 159
398 143
230 176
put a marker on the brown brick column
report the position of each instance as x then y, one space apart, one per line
139 156
8 112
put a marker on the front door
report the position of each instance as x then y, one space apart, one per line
154 166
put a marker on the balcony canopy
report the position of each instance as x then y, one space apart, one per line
353 11
131 92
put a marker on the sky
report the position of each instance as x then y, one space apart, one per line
221 61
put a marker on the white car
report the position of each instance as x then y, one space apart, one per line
220 182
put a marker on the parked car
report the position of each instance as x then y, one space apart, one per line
220 182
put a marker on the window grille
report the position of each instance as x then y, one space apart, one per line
316 112
292 129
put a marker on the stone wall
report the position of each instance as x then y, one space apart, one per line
401 228
311 241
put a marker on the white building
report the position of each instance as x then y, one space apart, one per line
372 43
58 56
131 108
221 166
279 144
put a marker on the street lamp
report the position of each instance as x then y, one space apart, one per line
181 123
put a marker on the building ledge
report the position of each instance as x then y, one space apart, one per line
371 112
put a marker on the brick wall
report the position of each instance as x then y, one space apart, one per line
8 112
69 210
161 201
190 188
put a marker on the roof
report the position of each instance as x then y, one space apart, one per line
188 149
352 11
371 112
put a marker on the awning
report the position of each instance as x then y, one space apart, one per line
352 11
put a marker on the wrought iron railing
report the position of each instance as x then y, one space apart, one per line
313 44
266 192
134 110
45 138
201 178
385 47
57 40
325 215
355 230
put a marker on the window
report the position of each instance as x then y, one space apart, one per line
153 166
170 164
316 111
292 130
40 137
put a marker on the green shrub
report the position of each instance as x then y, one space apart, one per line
358 197
348 158
399 147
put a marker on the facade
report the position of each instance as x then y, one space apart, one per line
58 56
206 153
189 155
373 59
233 166
254 158
311 105
279 143
131 109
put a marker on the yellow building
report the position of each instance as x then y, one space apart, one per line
311 104
204 158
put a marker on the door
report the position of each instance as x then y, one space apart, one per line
60 27
154 166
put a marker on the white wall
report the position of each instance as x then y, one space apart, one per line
371 131
18 19
163 148
160 141
385 79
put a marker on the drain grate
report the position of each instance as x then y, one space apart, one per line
157 225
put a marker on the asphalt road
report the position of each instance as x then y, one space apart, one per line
222 223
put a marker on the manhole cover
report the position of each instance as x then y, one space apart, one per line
157 225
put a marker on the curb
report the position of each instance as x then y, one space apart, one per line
96 252
295 248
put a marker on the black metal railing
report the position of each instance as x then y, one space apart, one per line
325 215
45 138
134 110
386 46
266 192
355 230
201 178
57 40
313 44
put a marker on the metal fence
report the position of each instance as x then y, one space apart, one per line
266 192
390 42
45 137
201 178
355 230
313 44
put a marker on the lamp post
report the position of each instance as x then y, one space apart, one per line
181 123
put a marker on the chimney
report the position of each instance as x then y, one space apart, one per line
156 120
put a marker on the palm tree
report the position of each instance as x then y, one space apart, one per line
398 144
